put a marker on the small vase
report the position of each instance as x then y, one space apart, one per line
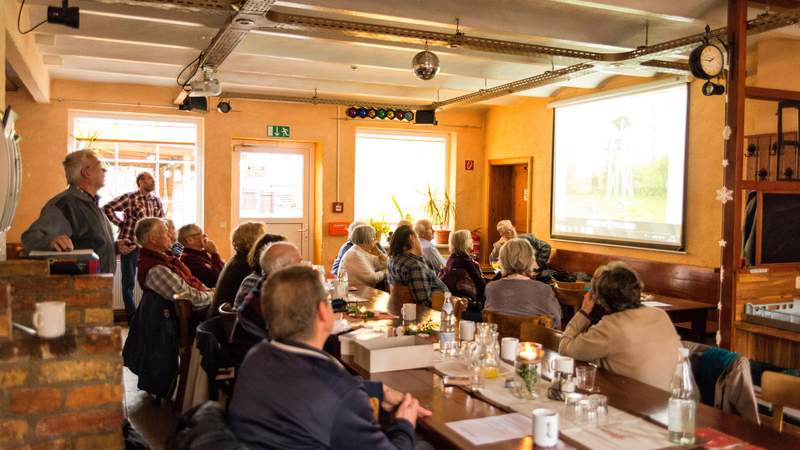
441 236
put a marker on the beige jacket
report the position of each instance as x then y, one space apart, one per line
639 343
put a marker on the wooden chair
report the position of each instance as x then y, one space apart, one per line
569 295
511 326
780 390
228 313
548 337
184 313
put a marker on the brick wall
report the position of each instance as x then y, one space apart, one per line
89 298
63 393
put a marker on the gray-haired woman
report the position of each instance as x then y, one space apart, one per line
507 232
364 263
516 293
632 340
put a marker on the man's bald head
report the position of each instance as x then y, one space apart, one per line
278 255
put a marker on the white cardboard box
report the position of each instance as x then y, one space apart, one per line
393 353
361 334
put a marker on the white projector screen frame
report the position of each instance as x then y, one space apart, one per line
604 229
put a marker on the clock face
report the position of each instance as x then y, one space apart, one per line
711 60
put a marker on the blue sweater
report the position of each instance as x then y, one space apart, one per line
291 396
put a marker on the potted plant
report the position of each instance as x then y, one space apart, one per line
380 226
439 210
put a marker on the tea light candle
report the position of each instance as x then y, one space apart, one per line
529 351
362 309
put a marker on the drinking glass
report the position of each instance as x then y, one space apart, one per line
571 406
587 412
601 404
584 376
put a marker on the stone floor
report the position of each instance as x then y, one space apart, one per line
155 421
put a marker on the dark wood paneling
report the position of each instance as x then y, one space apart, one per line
500 194
769 287
674 280
519 204
766 344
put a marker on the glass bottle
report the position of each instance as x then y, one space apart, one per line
447 329
682 402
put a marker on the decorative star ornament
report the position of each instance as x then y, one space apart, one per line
723 242
724 195
725 163
726 132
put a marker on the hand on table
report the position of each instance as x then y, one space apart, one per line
62 243
410 409
589 301
395 399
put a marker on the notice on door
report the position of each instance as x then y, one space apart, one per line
281 131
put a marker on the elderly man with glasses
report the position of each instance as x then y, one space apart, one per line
73 219
200 254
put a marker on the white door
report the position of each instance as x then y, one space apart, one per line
272 185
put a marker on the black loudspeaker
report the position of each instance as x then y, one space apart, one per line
426 117
192 103
65 15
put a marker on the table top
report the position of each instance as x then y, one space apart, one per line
678 304
451 403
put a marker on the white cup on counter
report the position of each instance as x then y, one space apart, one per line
49 319
466 330
409 312
509 347
545 427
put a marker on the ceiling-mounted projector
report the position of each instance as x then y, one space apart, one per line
207 87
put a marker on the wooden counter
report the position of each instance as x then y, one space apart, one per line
768 344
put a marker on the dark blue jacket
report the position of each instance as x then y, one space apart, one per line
291 396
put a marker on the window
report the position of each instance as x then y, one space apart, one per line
400 165
164 146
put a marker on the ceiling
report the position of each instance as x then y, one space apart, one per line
150 41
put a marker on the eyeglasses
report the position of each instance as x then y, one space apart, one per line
197 234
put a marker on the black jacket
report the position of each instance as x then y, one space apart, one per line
235 270
291 396
151 350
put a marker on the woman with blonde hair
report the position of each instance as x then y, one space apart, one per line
516 293
237 267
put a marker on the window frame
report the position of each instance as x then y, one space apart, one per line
377 131
74 114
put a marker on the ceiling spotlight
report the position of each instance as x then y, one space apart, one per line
65 15
425 65
224 106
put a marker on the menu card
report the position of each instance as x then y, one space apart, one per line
620 435
487 430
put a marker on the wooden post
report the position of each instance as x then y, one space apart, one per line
732 211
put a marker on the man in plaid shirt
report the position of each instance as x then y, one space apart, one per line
133 206
408 268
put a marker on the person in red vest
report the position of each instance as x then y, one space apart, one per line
161 272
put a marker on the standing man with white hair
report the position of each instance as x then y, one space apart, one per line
73 219
133 206
431 255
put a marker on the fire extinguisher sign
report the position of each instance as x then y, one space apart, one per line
469 164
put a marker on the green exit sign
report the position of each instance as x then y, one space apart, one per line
280 131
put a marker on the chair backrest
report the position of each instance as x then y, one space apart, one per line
548 337
781 390
569 294
511 326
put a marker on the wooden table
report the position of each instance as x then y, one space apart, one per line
450 403
682 310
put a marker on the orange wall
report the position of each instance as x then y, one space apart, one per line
778 60
45 132
526 129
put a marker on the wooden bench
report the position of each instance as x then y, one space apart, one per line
678 281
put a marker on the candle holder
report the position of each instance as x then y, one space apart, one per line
527 368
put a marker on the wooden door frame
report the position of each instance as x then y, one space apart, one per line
486 188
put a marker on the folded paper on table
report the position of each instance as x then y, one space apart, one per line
630 432
655 304
487 430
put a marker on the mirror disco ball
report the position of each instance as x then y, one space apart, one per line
425 65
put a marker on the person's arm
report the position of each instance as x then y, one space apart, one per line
419 284
119 204
353 427
51 225
167 283
160 209
582 342
200 269
555 308
475 274
359 267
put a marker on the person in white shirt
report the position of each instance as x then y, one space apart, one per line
430 253
364 263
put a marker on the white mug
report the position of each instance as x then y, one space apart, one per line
49 319
563 364
545 427
466 330
508 348
409 312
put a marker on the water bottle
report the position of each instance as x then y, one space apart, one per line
682 402
447 329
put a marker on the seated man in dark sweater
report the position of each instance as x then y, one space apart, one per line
200 254
291 394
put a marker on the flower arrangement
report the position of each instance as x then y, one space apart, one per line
360 312
428 327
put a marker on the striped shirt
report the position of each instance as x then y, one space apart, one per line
133 206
